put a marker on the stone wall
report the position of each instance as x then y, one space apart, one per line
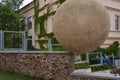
56 65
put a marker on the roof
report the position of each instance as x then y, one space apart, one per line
26 6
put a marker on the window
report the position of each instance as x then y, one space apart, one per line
116 22
29 21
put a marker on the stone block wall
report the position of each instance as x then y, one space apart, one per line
56 65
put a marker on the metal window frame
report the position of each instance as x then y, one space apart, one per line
23 48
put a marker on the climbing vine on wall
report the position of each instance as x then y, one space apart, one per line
36 12
42 20
39 21
61 1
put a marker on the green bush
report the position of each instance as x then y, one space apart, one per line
113 48
100 68
83 57
12 40
56 48
81 65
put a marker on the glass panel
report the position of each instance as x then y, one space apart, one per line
116 22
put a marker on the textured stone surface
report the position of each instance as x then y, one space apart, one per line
47 65
57 66
81 25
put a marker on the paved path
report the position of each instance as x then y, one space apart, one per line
98 75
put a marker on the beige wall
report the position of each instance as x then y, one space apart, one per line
48 23
112 6
29 12
27 15
110 3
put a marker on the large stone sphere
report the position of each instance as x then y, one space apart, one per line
81 26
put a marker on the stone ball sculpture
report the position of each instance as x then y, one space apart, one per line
81 26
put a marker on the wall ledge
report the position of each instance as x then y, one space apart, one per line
78 73
35 52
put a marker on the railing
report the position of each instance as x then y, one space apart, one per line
8 38
12 40
1 40
16 40
101 60
48 43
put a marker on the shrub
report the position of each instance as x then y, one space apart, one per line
100 68
81 65
83 57
113 48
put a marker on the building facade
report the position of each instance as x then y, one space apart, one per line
112 6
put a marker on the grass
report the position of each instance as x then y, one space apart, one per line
6 75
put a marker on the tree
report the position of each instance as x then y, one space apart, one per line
9 19
112 49
14 4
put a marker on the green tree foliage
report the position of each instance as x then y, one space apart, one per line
100 50
112 49
15 4
9 19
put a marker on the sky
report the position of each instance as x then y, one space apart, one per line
26 2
